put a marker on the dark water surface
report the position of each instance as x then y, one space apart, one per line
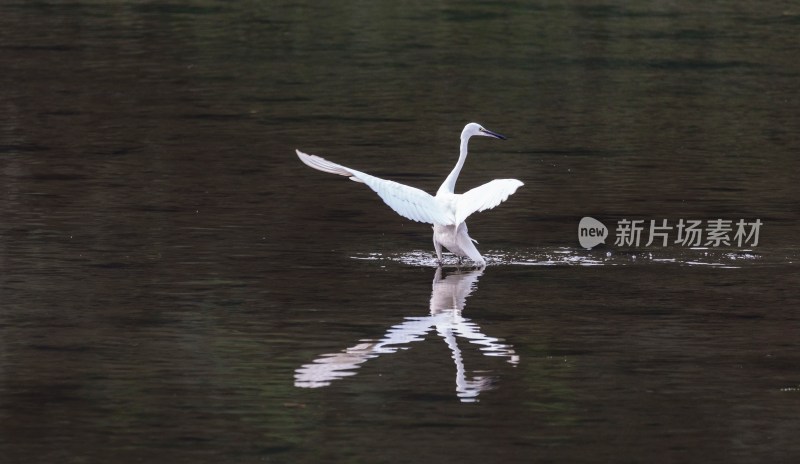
175 286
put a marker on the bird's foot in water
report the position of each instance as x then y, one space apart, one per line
460 262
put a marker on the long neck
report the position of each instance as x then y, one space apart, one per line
449 185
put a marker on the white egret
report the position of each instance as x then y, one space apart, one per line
447 211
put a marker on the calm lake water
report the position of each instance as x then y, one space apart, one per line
175 286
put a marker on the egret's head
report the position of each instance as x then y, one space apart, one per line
474 128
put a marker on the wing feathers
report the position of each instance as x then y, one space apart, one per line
406 201
409 202
417 205
485 197
321 164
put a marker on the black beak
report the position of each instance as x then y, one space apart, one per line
494 134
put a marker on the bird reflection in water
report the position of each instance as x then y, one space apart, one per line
447 302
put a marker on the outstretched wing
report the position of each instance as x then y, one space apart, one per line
485 197
409 202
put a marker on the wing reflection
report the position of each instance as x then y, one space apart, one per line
447 302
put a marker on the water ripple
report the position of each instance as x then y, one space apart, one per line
564 256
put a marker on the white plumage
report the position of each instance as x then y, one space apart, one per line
447 211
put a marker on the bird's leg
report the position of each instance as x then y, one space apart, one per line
438 247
